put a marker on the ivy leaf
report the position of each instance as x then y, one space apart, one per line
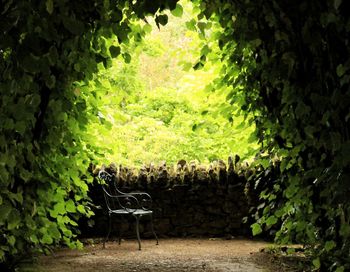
317 263
14 219
34 238
271 220
114 51
199 65
51 81
329 245
337 3
47 239
49 6
5 210
54 232
340 70
161 19
127 57
59 208
11 240
256 229
147 28
70 206
121 31
202 26
178 11
191 25
81 209
265 163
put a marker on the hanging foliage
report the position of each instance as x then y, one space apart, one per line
293 59
45 47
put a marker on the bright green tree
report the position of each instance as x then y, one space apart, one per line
160 108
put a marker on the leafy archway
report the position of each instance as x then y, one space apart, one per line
293 71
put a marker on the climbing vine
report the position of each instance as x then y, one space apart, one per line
294 74
45 48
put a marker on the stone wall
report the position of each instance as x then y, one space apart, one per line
188 200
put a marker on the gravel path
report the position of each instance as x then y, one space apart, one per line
171 255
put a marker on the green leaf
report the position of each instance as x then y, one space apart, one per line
2 255
81 209
256 229
114 51
70 206
271 220
11 240
5 210
121 31
14 219
49 6
340 269
265 163
340 70
47 239
147 28
79 245
202 26
337 3
345 230
51 81
290 250
178 11
317 263
199 65
127 57
54 232
34 238
329 245
20 127
59 208
191 25
162 19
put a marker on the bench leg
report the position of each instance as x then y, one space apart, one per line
137 217
154 233
109 229
120 230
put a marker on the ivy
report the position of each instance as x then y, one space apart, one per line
45 49
291 59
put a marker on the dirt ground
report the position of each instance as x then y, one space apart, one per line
171 255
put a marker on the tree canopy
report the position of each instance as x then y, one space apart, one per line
287 61
159 108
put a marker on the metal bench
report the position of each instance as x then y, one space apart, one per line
136 204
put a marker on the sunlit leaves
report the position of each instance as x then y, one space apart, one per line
178 11
44 148
256 229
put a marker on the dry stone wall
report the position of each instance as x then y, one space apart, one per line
188 200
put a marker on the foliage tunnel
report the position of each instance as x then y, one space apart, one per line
288 59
